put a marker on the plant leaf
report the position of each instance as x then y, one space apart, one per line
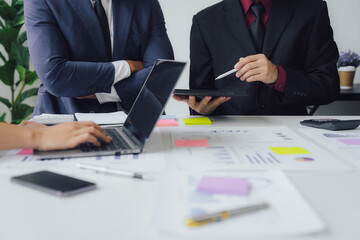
2 117
7 72
7 37
7 13
22 38
20 54
25 75
26 94
5 101
21 112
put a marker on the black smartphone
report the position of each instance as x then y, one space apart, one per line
54 183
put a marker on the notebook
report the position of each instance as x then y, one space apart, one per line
141 120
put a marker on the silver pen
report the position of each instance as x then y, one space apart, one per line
226 74
107 170
220 216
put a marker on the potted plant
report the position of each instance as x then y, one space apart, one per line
14 61
347 64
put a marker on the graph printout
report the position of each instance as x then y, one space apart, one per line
288 213
346 144
250 148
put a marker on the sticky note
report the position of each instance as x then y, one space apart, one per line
289 150
166 123
350 141
26 151
192 143
197 121
223 185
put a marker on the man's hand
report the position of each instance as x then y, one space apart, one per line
135 66
88 97
205 106
256 68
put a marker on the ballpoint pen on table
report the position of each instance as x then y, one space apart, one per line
119 172
226 74
219 216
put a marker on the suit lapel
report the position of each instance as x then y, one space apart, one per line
235 21
280 15
87 14
123 14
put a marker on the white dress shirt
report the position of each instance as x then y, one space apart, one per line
122 68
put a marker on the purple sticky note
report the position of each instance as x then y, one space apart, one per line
350 141
223 185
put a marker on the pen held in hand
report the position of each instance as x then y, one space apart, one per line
219 216
226 74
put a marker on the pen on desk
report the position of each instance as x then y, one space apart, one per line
226 74
219 216
107 170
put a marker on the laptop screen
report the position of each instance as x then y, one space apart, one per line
151 100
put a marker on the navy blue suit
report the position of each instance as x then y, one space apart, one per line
68 51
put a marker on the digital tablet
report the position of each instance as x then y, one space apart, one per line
206 92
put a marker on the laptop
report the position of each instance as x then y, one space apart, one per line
141 120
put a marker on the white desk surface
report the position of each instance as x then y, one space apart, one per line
124 208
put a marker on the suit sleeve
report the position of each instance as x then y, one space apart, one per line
52 59
158 47
318 83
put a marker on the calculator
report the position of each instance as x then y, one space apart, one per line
331 124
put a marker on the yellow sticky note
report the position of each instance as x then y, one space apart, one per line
289 150
197 121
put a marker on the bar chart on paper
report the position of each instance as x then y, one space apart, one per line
345 143
250 148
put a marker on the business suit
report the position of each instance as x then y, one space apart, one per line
68 51
298 38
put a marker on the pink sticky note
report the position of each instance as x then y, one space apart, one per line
350 141
167 123
223 185
26 151
192 143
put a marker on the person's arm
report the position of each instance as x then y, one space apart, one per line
158 47
318 82
51 57
201 74
41 137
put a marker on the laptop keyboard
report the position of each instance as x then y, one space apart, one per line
116 143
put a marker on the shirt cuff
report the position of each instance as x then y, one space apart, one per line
122 71
279 85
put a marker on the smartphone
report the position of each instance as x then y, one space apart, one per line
54 183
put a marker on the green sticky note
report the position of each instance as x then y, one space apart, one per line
197 121
289 150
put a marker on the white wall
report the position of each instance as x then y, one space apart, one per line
344 16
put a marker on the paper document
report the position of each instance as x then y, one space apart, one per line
287 215
248 148
52 119
345 143
103 118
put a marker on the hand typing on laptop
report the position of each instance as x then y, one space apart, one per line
40 137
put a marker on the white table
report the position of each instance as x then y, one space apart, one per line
124 208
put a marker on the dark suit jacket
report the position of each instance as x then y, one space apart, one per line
68 52
298 37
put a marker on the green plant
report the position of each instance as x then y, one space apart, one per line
15 59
